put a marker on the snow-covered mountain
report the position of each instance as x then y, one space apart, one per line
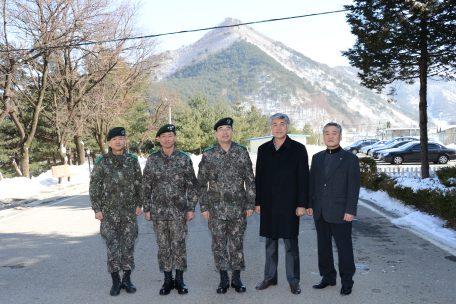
325 94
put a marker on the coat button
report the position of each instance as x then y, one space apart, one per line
324 185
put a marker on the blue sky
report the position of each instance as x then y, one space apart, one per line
320 37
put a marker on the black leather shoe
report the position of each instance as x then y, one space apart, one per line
115 289
179 282
345 290
265 284
126 282
295 289
236 282
322 285
168 285
224 282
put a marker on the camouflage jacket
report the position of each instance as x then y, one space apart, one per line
168 183
115 184
221 179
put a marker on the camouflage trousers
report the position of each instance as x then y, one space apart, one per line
222 230
172 252
120 240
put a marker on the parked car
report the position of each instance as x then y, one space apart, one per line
366 149
356 146
394 145
391 141
411 152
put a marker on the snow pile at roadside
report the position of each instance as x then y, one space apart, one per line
429 225
21 187
417 183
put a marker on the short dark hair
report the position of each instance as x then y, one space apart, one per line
332 124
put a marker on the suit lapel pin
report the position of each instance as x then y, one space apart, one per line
341 159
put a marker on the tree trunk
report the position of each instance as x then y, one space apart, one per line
101 143
14 164
69 157
423 101
1 176
79 149
24 161
139 148
63 158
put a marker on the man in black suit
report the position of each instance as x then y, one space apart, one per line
282 176
334 190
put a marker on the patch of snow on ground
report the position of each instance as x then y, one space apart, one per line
429 225
21 187
417 183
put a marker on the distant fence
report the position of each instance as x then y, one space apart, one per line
406 171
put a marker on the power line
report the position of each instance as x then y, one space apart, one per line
173 33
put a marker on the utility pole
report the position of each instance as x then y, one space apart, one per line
440 114
169 105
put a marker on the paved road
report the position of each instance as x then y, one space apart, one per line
56 255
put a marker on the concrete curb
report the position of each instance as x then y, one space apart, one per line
390 216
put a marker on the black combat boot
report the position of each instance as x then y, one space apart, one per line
126 282
236 282
168 284
179 282
115 289
224 282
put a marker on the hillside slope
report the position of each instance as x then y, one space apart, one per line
241 64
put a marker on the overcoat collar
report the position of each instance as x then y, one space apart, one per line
286 143
341 155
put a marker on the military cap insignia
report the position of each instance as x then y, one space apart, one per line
227 121
114 132
166 128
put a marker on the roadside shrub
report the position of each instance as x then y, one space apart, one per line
447 176
441 203
368 165
373 181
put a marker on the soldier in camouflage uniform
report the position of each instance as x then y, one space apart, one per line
115 185
169 196
224 169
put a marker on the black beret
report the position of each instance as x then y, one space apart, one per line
117 131
227 121
166 128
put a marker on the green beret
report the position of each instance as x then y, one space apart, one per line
117 131
227 121
166 128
